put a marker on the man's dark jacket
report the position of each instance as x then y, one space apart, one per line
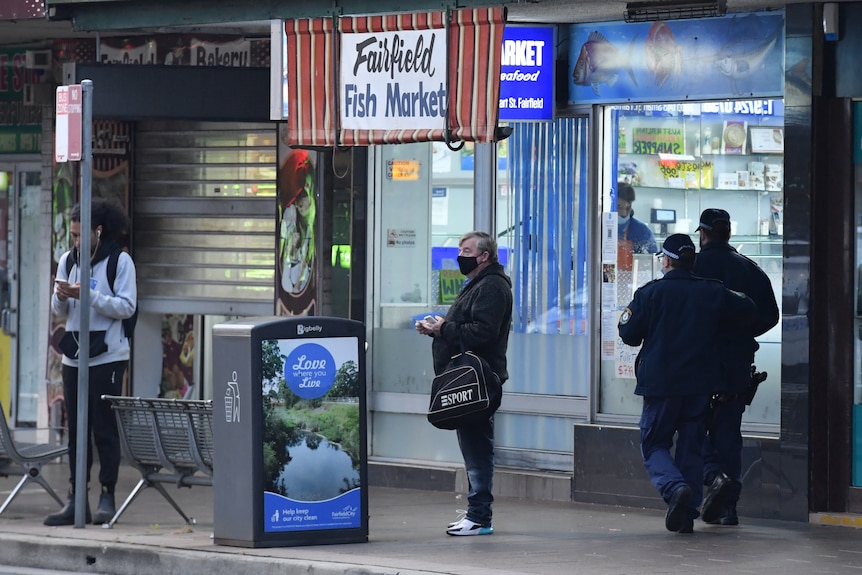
719 260
481 317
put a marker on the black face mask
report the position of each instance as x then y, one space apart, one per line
467 264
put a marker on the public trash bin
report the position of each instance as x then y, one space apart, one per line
289 431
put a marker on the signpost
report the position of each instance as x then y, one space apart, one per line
74 143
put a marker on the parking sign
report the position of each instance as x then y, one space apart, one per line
67 142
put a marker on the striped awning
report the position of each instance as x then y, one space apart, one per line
473 56
311 82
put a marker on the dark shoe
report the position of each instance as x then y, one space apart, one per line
106 510
677 509
688 527
728 516
714 501
66 516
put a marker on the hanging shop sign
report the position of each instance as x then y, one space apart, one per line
527 74
180 51
736 57
412 77
393 80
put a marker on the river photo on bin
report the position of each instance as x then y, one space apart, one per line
311 447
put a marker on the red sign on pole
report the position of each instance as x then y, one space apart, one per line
70 109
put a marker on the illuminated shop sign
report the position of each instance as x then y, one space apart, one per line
729 107
527 74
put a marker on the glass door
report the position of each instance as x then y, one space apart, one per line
21 361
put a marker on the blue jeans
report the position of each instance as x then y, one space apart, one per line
477 448
662 417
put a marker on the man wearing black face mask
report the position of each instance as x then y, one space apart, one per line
479 320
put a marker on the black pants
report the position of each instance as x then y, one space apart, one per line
102 428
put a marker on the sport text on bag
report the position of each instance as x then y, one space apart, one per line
467 391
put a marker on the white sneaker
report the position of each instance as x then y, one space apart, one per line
462 513
467 527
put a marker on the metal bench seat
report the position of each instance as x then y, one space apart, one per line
25 458
167 441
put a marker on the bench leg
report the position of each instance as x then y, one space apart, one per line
24 481
143 484
14 493
41 481
173 503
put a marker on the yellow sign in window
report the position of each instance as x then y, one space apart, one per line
402 170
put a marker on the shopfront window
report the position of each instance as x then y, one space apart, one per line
426 204
544 233
679 159
425 200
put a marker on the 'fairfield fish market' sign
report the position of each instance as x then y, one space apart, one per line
393 80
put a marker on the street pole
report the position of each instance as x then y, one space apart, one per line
82 437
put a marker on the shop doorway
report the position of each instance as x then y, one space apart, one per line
20 190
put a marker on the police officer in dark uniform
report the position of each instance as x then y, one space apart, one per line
678 320
723 447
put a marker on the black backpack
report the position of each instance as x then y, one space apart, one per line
113 258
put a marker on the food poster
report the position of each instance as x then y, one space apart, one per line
296 261
311 434
178 356
730 57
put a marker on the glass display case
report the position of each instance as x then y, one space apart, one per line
680 159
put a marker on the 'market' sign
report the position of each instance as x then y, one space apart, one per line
393 80
527 74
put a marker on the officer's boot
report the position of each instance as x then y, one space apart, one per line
66 516
107 507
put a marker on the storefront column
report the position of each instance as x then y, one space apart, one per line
485 183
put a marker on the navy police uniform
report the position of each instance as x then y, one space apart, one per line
719 260
678 321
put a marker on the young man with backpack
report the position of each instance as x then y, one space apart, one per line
113 301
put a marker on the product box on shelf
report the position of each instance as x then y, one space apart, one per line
727 181
774 175
734 137
757 175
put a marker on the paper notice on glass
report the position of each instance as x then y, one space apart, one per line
609 333
625 360
609 287
609 237
439 207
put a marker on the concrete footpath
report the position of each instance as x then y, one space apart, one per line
407 537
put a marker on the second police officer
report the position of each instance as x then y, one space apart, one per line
678 319
723 448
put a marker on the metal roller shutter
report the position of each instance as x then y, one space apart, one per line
204 217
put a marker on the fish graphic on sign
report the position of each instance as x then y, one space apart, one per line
663 55
600 62
745 49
